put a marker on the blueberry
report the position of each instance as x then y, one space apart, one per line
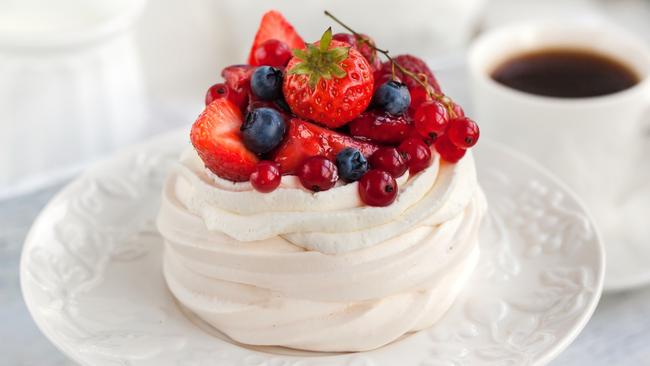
352 165
266 83
393 97
263 130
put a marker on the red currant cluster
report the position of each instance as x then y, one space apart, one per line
444 123
377 186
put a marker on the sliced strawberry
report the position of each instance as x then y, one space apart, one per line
275 26
381 127
216 137
304 139
238 80
238 77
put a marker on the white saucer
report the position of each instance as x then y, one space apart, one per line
91 275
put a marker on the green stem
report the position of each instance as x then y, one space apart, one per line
410 74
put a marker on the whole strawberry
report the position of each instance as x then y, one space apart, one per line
329 82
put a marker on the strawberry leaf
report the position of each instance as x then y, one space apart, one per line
301 54
325 40
320 62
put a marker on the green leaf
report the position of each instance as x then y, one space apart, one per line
313 79
337 71
301 54
326 39
339 54
301 68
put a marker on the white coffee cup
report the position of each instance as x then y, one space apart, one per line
595 144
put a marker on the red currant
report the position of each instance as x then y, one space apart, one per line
272 53
266 176
390 160
463 132
217 91
418 154
447 150
431 119
418 96
377 188
318 174
458 110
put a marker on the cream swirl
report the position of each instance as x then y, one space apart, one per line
319 271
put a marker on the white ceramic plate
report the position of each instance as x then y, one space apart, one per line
91 275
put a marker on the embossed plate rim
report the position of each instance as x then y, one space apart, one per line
563 340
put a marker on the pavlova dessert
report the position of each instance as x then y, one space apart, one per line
330 200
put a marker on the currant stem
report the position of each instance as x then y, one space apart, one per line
410 74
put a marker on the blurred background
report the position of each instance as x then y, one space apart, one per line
81 78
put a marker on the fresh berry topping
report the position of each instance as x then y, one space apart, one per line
238 77
263 130
221 90
330 82
266 177
266 83
447 150
381 78
318 174
393 97
345 38
217 139
390 160
431 119
363 44
274 104
272 53
366 47
418 96
414 65
275 26
458 110
304 139
216 91
377 188
380 127
417 153
351 163
463 132
238 80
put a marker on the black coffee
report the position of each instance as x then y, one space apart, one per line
565 73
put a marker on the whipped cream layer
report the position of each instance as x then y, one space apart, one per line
319 271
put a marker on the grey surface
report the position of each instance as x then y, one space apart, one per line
21 343
618 333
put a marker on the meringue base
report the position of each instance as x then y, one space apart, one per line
393 317
319 271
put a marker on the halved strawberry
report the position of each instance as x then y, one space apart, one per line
304 139
381 127
275 26
238 77
216 137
